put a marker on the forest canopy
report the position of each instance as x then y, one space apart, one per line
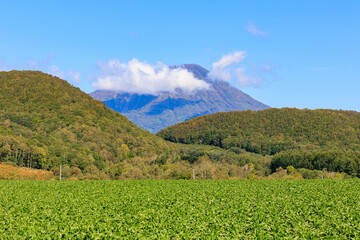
46 122
312 139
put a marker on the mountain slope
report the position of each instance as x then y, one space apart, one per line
312 139
295 127
155 112
45 122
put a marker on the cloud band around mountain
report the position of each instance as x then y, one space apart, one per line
140 77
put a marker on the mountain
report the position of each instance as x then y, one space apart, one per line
312 139
45 122
155 112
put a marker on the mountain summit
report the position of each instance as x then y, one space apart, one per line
156 112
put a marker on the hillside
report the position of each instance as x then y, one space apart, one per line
312 139
46 122
156 112
8 172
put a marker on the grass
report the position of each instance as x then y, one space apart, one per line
170 209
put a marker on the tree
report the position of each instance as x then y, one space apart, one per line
204 168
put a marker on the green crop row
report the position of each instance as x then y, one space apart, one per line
165 209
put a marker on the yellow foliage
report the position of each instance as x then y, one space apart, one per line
8 172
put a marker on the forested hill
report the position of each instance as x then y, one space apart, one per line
312 139
270 131
45 122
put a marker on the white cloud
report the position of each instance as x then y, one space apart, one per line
43 65
245 80
140 77
3 67
263 69
255 30
56 71
74 76
221 69
267 68
230 59
230 67
29 64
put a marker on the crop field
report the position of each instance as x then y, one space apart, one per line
165 209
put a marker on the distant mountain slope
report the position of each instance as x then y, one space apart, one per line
45 122
157 112
312 139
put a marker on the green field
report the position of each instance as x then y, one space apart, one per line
165 209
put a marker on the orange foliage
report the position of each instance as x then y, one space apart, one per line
8 172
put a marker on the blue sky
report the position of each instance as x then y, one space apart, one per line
301 54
